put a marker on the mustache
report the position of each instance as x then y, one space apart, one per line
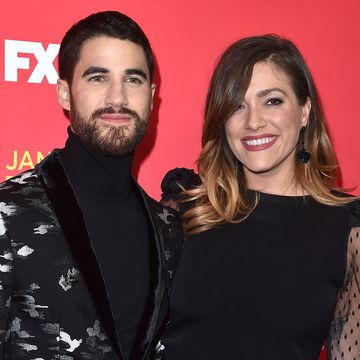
111 110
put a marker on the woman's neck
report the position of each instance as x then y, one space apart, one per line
274 182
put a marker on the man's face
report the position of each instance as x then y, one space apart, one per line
110 98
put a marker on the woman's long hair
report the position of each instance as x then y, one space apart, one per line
222 196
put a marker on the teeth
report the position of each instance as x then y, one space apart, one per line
262 141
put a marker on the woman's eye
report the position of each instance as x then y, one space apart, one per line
240 107
274 101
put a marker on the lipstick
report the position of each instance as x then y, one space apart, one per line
259 142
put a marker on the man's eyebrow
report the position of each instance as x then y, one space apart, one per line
136 71
268 91
95 69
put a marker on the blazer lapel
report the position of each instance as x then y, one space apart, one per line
150 319
71 220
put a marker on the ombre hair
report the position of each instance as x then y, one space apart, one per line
222 195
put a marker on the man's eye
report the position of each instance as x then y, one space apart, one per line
274 101
134 80
97 78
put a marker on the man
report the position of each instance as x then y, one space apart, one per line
86 257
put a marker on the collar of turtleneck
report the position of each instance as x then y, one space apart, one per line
96 173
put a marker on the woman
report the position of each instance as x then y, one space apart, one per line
270 265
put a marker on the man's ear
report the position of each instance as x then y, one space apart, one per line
153 88
63 94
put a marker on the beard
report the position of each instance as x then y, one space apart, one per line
107 139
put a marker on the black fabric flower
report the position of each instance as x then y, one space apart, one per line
175 177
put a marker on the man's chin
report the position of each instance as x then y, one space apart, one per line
121 132
117 144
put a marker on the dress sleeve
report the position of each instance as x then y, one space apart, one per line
174 183
344 336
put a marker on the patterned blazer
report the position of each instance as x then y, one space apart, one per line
53 299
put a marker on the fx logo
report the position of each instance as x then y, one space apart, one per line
45 58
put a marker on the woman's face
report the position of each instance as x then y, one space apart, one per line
263 132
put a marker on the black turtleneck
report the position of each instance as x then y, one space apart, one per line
118 229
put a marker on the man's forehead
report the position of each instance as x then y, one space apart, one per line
103 48
97 43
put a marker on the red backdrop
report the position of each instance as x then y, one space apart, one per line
187 37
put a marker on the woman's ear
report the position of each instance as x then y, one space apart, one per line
63 94
306 112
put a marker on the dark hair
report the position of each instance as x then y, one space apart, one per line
222 195
107 23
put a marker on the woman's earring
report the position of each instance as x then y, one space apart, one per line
303 155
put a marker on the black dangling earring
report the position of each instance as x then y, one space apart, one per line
303 155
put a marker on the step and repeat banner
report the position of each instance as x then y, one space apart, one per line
187 37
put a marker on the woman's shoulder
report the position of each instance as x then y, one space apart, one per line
354 207
176 181
173 185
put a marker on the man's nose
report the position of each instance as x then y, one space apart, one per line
116 95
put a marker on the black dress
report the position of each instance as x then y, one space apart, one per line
274 286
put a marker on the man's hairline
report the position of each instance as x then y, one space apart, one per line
151 76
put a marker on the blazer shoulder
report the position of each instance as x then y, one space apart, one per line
20 185
25 196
